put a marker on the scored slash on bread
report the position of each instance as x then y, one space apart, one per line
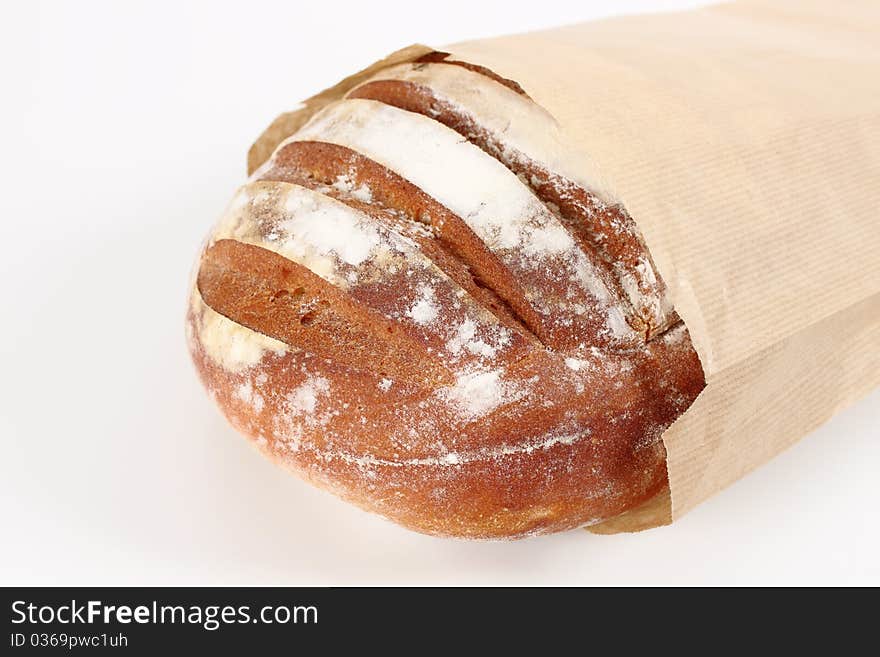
375 298
465 102
418 304
561 292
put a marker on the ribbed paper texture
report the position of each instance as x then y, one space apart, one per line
744 139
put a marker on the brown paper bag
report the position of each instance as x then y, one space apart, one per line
744 139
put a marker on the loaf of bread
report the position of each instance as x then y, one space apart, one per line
419 304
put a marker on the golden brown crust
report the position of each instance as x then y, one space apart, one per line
525 469
365 335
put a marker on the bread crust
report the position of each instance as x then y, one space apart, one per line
360 321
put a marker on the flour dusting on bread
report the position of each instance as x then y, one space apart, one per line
425 303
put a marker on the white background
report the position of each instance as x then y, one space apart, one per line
124 132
